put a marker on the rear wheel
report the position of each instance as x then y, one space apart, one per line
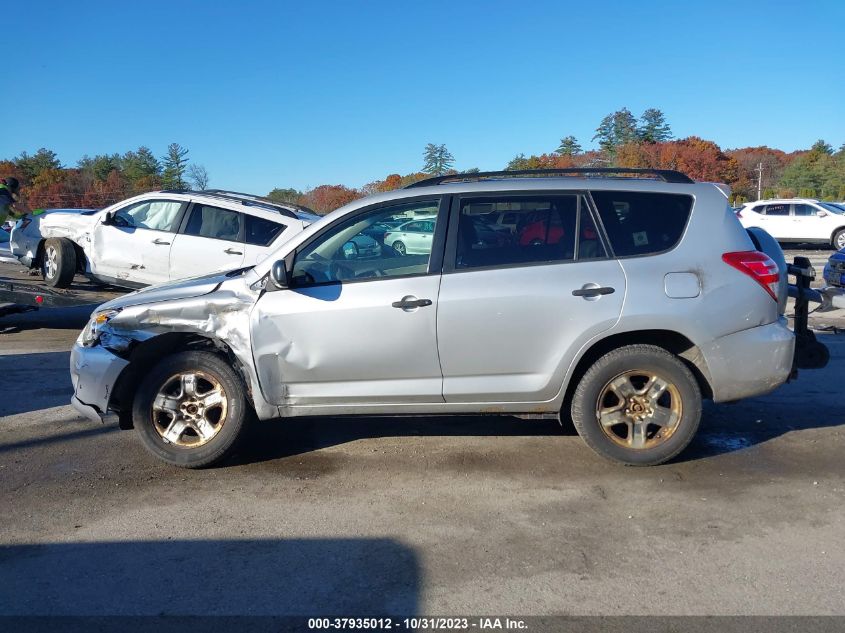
638 405
58 262
838 240
190 410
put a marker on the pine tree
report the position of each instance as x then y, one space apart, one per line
437 159
653 127
616 129
569 146
175 164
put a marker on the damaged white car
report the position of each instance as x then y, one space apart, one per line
156 237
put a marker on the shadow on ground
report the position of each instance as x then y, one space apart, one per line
211 577
34 381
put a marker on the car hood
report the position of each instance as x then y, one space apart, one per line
70 223
181 289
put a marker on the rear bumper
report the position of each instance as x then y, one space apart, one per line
93 372
751 362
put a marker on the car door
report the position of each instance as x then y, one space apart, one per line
511 314
211 239
132 244
353 330
808 224
776 219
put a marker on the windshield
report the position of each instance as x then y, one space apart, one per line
833 208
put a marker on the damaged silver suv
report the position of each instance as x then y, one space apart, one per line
620 302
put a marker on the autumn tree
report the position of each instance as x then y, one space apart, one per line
437 160
653 127
569 146
174 165
327 198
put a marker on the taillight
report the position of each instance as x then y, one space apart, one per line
25 223
759 266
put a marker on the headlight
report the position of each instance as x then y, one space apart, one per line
91 334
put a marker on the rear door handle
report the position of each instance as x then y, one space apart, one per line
593 291
160 242
232 251
410 302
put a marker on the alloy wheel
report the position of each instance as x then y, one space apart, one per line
189 409
639 409
51 262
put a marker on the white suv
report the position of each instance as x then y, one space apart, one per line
797 220
156 237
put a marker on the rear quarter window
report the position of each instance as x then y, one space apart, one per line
261 232
642 223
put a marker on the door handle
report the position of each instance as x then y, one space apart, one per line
592 290
410 302
160 242
232 251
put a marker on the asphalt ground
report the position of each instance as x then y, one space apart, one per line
446 515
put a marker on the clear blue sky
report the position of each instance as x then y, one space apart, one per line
272 94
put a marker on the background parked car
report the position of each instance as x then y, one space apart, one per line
156 237
834 270
412 238
797 220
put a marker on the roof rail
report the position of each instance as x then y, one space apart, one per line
666 175
288 209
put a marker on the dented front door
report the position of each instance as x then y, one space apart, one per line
353 343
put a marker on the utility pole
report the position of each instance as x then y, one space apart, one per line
759 170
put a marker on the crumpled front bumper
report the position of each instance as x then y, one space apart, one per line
93 372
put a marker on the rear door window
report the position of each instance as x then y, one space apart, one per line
776 209
214 222
642 223
543 230
260 231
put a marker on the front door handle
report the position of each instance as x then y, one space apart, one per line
593 290
160 242
410 302
232 251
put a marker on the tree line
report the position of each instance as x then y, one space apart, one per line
622 140
100 180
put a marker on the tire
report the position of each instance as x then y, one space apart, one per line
400 248
627 371
58 262
838 241
223 423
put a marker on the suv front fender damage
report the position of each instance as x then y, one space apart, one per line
219 319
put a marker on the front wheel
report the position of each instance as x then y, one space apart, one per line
58 262
638 405
190 410
400 248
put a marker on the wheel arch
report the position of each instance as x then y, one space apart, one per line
673 342
833 236
145 354
81 258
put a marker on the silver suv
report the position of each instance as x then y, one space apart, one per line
618 302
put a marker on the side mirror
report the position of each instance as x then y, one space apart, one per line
108 219
821 214
280 275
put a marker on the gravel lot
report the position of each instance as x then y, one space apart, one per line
417 516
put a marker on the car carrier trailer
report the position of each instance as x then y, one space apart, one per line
21 292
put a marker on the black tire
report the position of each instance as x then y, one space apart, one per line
400 248
58 262
225 440
838 241
624 364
